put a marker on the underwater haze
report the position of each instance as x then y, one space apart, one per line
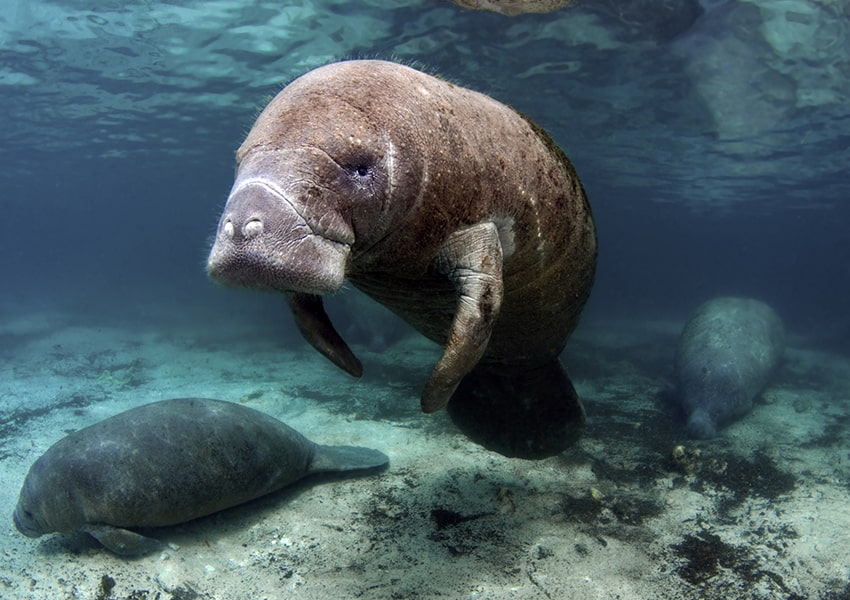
713 140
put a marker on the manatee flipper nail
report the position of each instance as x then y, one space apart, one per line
525 413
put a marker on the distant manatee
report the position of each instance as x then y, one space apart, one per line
166 463
726 355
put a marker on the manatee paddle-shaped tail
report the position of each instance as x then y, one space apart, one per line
524 413
331 459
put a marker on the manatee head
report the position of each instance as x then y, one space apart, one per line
317 183
26 523
701 425
28 516
49 500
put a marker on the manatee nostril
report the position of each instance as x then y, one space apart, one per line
252 228
228 229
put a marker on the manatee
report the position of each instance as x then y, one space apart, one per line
512 8
166 463
453 210
726 354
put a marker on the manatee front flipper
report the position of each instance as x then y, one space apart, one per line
123 541
522 413
472 260
316 327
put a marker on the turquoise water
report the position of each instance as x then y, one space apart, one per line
713 139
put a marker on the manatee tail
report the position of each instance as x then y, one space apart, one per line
701 425
520 413
346 458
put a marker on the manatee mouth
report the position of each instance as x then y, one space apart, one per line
22 524
314 271
264 242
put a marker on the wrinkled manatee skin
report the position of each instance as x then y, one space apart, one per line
446 206
166 463
726 355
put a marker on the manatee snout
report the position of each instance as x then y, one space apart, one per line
249 209
25 523
263 241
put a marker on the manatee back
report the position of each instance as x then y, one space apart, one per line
725 357
161 464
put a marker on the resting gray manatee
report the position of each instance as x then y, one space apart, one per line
514 7
451 209
726 354
166 463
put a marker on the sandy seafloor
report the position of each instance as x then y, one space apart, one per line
763 511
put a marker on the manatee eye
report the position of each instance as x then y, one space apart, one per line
362 171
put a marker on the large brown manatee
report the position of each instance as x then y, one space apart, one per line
451 209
